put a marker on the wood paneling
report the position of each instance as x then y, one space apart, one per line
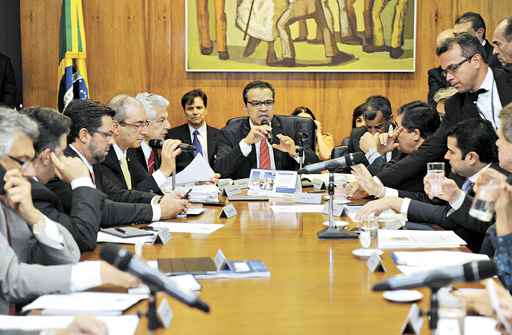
138 45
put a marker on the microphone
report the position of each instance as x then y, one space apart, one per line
266 122
335 164
468 272
157 281
158 144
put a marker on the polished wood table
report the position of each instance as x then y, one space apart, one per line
316 286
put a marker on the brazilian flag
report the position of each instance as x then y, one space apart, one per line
72 69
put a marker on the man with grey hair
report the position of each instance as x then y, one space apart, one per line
157 114
121 168
29 238
502 40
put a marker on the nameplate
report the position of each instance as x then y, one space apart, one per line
228 211
222 183
163 235
221 262
375 263
413 321
165 314
318 184
308 198
273 182
243 183
230 190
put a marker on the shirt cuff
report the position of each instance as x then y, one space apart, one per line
48 234
390 192
85 275
457 203
157 212
245 148
404 207
371 156
82 182
160 178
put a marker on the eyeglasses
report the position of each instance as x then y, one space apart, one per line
20 162
266 103
452 68
138 125
105 134
161 120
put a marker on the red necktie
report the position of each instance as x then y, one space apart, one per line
264 155
151 162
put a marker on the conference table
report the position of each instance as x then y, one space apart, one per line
316 286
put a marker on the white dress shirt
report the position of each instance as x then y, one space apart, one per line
489 103
160 179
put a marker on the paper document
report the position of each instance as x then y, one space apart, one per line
195 211
184 282
401 239
193 228
478 325
298 208
117 325
99 303
435 258
108 238
197 170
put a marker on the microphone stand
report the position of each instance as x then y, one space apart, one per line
154 322
302 158
334 231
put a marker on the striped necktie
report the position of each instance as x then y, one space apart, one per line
264 155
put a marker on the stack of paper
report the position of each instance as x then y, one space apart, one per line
108 238
207 192
185 227
410 262
96 303
117 325
406 239
197 170
184 282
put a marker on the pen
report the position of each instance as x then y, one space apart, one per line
187 194
120 230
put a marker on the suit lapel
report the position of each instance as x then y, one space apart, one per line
504 83
211 142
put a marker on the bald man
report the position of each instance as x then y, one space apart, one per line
502 40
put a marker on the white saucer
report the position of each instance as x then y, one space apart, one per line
365 253
337 223
403 295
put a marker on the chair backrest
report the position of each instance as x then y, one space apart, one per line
339 151
291 125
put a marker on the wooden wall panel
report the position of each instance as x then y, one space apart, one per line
138 45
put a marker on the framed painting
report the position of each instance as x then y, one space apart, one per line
300 35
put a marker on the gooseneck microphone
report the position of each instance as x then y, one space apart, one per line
158 144
336 163
468 272
154 279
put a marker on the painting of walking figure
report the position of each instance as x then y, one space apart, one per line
300 35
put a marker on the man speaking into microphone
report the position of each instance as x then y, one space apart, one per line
261 140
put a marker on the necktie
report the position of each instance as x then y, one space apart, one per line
198 149
468 184
264 154
126 173
151 162
473 96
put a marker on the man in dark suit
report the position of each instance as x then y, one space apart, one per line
87 203
121 169
8 88
436 79
244 145
196 132
473 23
462 59
90 138
502 40
471 149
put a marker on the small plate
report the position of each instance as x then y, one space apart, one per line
365 253
403 295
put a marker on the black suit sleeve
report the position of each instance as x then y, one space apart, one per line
229 156
120 213
143 181
84 220
461 217
117 193
422 212
435 83
411 166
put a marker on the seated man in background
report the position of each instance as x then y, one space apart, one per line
87 203
203 137
244 145
28 238
89 138
471 149
121 170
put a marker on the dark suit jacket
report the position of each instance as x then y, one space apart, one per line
434 148
112 181
436 81
83 221
8 88
491 58
230 161
114 213
182 133
410 185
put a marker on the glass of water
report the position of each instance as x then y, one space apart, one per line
483 203
435 173
368 233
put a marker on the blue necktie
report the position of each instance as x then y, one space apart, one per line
197 145
468 184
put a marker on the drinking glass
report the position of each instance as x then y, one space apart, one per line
435 173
